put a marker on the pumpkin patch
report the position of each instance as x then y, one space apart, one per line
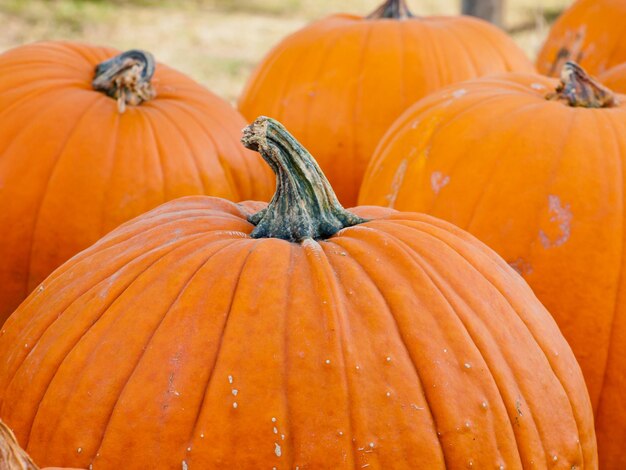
75 161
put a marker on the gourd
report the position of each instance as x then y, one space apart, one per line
209 334
535 169
91 138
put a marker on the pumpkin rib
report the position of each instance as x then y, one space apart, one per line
42 199
115 133
192 275
220 341
467 52
422 265
331 43
390 312
317 261
358 92
498 162
612 332
471 23
158 147
530 331
103 311
224 165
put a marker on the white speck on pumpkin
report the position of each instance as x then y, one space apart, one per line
184 465
188 449
484 405
79 450
388 394
537 86
327 361
554 458
388 358
235 405
358 367
275 430
371 445
413 405
282 436
340 433
459 93
467 365
277 449
235 391
201 435
561 215
26 345
438 181
273 419
230 379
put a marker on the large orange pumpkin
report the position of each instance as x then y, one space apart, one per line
541 181
339 83
590 32
75 162
199 335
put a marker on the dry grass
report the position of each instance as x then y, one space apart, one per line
217 42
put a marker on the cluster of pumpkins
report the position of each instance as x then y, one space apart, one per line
209 332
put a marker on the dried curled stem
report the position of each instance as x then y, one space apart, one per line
304 205
126 78
578 89
12 456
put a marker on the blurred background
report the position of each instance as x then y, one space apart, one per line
218 42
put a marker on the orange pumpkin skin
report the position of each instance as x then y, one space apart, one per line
339 83
590 32
399 343
542 184
615 78
72 167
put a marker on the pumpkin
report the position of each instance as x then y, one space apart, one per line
75 161
339 83
615 78
590 33
537 175
209 334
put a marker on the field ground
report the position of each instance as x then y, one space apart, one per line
218 42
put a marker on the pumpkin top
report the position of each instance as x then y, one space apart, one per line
578 89
126 77
391 9
304 205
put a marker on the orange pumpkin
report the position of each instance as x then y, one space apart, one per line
615 78
199 335
590 32
339 83
75 162
541 181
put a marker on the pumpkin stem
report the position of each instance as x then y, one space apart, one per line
126 78
391 9
578 89
304 205
11 454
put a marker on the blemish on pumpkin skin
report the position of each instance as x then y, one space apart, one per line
562 216
438 181
459 93
521 266
396 183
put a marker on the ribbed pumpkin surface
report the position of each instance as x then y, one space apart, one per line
72 167
402 342
542 183
339 83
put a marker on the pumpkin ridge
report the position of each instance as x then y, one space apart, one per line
192 275
498 162
400 336
422 264
532 335
44 193
317 261
158 147
112 158
612 342
358 92
224 165
95 320
218 349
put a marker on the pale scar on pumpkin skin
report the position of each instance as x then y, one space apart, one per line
396 183
438 181
561 215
